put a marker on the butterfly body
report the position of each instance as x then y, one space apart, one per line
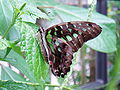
60 41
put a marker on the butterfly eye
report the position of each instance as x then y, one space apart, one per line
75 35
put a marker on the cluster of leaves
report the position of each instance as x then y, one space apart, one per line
19 46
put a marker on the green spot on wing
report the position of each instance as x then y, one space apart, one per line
49 31
51 46
88 28
56 29
55 33
63 39
70 30
59 49
69 38
57 43
75 35
84 29
48 38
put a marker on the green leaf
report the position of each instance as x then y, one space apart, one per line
11 85
15 47
4 44
33 55
19 62
115 71
14 35
22 6
42 2
7 74
6 13
31 13
9 45
6 16
7 51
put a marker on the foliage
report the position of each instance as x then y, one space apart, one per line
115 71
19 45
10 85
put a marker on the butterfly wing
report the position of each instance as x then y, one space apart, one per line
62 40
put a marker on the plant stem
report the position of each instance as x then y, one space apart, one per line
83 69
15 16
45 7
35 84
92 65
50 85
91 10
11 25
116 70
8 29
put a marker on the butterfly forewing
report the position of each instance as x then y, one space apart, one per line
60 41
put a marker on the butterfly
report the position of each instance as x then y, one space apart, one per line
60 41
